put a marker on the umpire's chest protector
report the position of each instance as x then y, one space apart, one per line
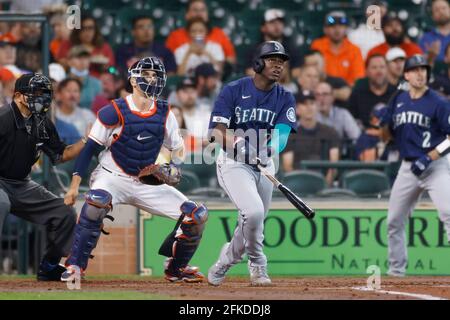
141 137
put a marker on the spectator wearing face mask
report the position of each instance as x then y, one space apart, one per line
199 50
79 62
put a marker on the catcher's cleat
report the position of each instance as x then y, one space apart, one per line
72 273
188 274
258 275
50 275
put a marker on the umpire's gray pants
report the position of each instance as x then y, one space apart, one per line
251 193
32 202
405 193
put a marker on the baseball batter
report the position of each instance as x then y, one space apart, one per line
133 130
419 122
242 122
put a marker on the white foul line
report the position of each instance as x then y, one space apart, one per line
407 294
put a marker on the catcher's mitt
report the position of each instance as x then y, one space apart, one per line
156 174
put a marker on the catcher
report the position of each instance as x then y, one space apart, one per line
133 130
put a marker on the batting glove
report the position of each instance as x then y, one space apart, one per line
421 164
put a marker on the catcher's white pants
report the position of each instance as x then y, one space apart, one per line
161 200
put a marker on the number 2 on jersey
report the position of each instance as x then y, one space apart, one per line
426 139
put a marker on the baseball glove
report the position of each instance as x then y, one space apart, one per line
156 174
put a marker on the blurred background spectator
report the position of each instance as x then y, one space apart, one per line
111 86
313 141
272 29
79 62
373 90
208 85
395 35
90 37
338 118
61 33
198 50
434 42
370 147
395 58
195 116
180 36
341 89
366 38
68 110
143 33
342 58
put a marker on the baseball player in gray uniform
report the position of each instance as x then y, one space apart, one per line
418 120
251 107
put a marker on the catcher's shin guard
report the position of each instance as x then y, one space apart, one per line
181 248
89 227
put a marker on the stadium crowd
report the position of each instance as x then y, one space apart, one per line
341 80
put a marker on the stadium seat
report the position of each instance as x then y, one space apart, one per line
208 192
366 182
189 181
336 192
303 182
205 171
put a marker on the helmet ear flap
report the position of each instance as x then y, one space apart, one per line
258 65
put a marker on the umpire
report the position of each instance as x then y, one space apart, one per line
25 132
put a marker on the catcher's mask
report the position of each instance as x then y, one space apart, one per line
151 85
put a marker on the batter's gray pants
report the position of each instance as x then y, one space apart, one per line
405 193
251 193
32 202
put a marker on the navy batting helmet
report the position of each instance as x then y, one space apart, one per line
267 49
416 61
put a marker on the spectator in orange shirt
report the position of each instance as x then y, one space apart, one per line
394 33
342 58
180 36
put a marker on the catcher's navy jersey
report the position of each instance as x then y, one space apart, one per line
419 124
240 105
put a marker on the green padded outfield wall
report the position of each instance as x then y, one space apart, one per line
336 242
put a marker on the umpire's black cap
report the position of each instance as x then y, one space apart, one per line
22 84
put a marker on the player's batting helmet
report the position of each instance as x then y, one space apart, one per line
416 61
267 49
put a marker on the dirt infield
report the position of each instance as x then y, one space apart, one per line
295 288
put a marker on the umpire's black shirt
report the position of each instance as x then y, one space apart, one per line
20 148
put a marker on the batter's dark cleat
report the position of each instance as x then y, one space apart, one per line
50 275
188 274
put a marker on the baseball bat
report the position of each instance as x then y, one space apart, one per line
291 196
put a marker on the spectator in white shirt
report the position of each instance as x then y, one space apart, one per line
338 118
199 50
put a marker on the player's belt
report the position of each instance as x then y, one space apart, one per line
118 174
410 159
